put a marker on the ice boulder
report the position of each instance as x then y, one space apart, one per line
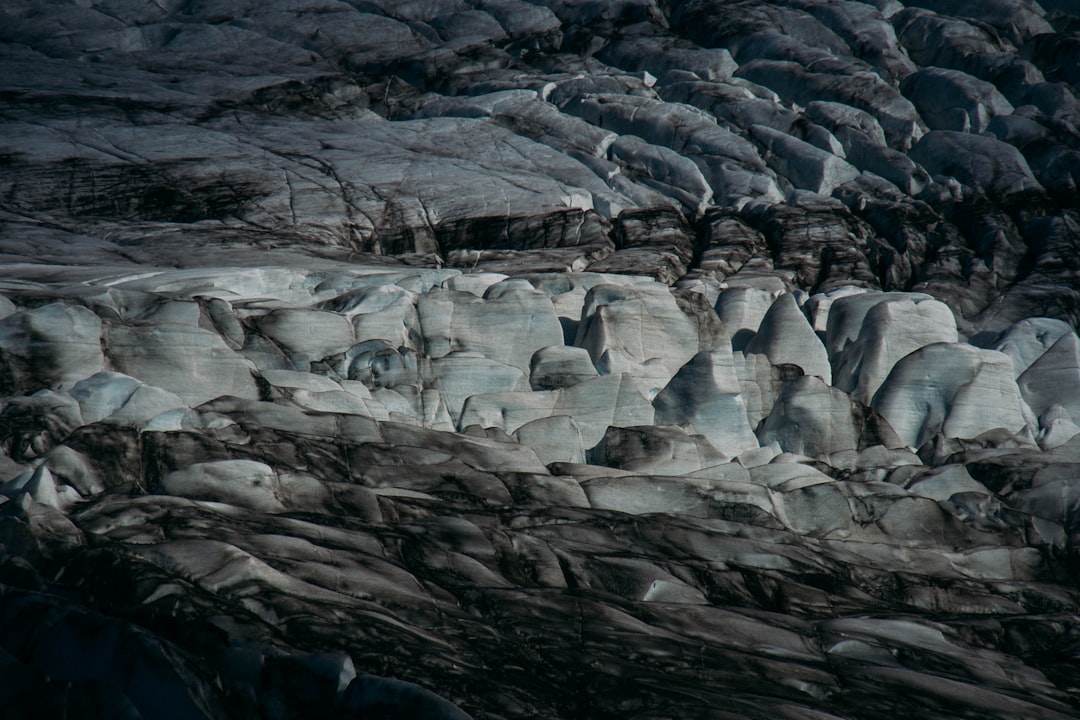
786 338
953 100
55 345
557 366
953 389
805 166
1054 379
122 399
742 309
1027 340
655 450
704 397
193 363
245 483
307 335
508 324
891 329
976 160
810 418
639 322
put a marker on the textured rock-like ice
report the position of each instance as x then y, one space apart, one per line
510 323
741 309
610 400
557 366
657 243
704 397
760 383
640 323
897 116
1052 496
637 495
244 483
508 411
54 345
121 399
810 418
193 363
458 376
846 315
1054 379
664 170
786 338
1017 20
943 485
555 438
891 329
975 160
655 450
76 470
953 100
847 124
311 314
306 335
666 59
805 166
953 389
1057 427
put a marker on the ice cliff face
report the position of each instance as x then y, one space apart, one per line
552 359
